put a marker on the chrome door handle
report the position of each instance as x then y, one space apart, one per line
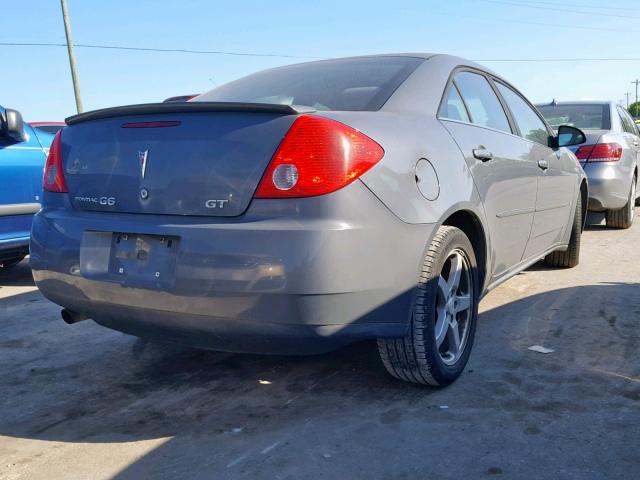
482 153
543 164
635 144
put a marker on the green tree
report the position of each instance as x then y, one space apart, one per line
634 109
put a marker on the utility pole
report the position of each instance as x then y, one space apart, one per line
72 58
636 82
627 95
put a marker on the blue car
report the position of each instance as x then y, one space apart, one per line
23 153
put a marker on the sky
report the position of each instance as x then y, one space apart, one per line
37 80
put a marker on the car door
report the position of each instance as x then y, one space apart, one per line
556 181
21 167
504 176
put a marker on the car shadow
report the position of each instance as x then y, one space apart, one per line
83 383
17 276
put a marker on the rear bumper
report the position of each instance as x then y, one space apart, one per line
289 276
609 186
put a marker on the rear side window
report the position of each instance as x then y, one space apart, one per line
529 123
586 116
627 123
351 84
453 108
481 101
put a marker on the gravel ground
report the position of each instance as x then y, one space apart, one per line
83 402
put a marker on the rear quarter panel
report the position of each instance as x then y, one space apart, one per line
408 130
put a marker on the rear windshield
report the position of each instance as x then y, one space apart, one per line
346 84
584 116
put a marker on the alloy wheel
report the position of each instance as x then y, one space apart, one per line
454 307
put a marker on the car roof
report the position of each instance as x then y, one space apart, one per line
450 59
576 102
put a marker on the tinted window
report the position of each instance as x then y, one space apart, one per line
583 116
452 107
529 123
344 84
482 103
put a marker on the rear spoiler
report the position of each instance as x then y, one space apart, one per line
186 107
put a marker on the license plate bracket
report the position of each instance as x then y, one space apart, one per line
141 260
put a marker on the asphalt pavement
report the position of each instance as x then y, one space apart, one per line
84 402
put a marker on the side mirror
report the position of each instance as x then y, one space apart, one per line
568 136
13 125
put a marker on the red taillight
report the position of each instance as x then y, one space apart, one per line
53 180
317 156
602 152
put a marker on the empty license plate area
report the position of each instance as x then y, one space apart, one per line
143 260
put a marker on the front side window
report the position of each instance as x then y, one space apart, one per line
529 123
481 101
453 108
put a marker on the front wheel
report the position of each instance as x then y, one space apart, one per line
437 346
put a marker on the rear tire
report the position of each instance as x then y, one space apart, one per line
437 346
623 217
570 257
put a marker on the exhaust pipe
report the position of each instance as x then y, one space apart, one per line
71 317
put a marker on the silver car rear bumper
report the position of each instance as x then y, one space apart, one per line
609 186
288 276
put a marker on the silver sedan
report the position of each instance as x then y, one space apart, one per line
610 156
309 206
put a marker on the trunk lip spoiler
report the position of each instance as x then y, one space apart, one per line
187 107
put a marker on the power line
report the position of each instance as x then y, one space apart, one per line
543 24
149 49
522 5
634 59
579 5
246 54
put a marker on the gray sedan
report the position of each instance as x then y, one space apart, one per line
309 206
610 156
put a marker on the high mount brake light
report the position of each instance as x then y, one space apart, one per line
601 152
317 156
151 124
53 180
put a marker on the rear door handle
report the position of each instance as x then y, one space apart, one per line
543 164
482 153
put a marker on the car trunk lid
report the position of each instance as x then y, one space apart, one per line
174 159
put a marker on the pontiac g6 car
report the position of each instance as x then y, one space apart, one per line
309 206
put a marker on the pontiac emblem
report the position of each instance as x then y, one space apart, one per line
142 156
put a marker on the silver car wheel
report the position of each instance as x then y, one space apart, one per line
453 307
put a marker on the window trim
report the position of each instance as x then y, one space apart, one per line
527 102
624 115
487 76
445 96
